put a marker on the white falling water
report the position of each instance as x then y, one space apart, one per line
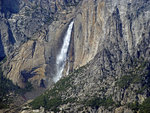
62 56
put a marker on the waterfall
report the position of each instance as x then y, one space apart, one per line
62 56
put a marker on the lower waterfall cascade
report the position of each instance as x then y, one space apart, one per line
62 56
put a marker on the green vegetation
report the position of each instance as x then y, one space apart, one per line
142 108
70 100
47 102
52 99
118 104
145 106
21 91
6 86
141 91
80 70
137 73
134 106
96 102
125 81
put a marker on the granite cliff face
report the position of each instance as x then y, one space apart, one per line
109 53
33 28
112 38
24 18
107 23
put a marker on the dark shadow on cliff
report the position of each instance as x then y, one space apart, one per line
11 37
116 16
2 52
10 6
29 74
26 75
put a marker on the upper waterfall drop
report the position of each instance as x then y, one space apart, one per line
62 56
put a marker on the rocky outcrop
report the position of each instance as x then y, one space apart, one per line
112 39
88 31
109 48
6 38
29 56
37 38
9 6
98 22
25 18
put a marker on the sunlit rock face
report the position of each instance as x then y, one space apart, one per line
41 27
112 37
111 30
25 18
99 24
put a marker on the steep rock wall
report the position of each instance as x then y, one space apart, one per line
24 18
112 38
102 23
88 31
113 29
37 55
